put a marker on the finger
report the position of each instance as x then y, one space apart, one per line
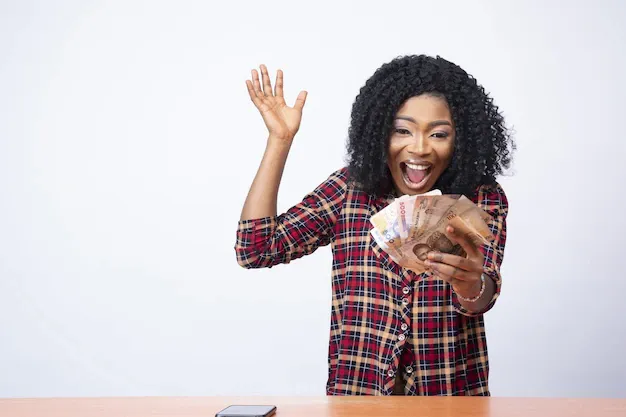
462 239
278 88
254 96
267 86
300 100
252 93
258 102
466 264
451 271
257 84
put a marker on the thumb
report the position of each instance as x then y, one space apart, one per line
300 100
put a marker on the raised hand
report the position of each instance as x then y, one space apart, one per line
281 120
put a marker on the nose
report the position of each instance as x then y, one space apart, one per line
420 146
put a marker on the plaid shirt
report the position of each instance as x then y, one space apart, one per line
379 308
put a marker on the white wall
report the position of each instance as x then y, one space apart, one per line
128 142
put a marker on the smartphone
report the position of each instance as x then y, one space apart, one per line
247 411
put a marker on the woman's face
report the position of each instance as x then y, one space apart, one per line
421 143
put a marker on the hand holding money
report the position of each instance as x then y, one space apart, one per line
412 227
463 273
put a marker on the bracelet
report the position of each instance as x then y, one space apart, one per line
480 294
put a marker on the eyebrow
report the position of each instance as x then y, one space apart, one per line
432 124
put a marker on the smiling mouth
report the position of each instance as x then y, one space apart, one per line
416 175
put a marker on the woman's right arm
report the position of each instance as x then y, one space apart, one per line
282 123
263 238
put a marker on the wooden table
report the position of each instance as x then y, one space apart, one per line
314 406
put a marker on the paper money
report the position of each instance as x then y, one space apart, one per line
428 213
405 213
393 254
412 226
387 223
406 207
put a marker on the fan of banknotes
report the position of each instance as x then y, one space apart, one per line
412 226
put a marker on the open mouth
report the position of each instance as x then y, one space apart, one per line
415 175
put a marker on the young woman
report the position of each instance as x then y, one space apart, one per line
418 123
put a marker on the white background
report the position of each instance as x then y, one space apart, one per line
128 143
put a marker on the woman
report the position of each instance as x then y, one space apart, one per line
419 123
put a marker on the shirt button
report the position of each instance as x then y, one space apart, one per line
406 290
401 337
409 369
404 327
405 302
391 373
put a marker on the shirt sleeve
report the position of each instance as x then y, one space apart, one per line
269 241
493 200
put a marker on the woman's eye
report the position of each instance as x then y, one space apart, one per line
441 135
402 131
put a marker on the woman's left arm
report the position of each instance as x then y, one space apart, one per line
465 274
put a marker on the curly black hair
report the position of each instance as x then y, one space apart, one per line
483 145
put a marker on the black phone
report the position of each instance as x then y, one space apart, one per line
247 411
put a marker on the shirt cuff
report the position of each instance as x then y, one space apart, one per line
254 232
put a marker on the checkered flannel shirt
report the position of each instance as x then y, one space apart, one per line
379 309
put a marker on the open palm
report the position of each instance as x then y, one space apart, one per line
281 120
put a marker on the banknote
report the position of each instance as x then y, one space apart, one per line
429 211
394 221
406 207
405 212
412 226
387 223
393 254
464 216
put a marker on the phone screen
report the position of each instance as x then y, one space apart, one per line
247 411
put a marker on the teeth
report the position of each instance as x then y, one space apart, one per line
418 167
